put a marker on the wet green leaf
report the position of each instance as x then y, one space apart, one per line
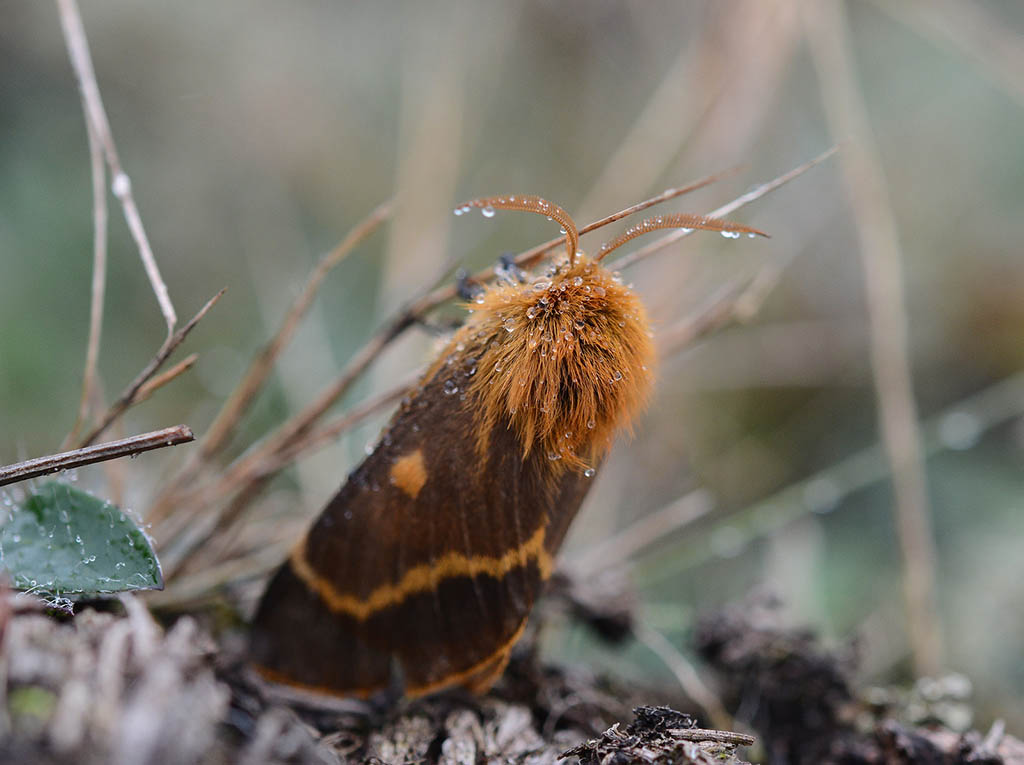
63 541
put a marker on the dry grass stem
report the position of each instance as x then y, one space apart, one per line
726 209
827 37
99 282
130 394
95 114
158 439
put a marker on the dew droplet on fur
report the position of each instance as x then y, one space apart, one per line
450 387
578 281
616 376
531 312
589 472
541 285
591 424
730 234
600 291
554 456
487 212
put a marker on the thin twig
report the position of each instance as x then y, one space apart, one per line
726 209
110 450
718 736
241 397
827 36
163 378
130 394
99 279
691 682
95 114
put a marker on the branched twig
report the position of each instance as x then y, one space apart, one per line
130 394
95 114
110 450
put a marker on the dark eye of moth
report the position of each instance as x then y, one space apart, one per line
429 558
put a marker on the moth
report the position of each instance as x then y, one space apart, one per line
424 567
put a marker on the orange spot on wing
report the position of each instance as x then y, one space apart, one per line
409 473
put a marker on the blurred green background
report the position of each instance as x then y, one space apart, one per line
256 134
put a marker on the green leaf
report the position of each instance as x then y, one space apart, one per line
64 541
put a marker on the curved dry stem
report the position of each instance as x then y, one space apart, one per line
81 61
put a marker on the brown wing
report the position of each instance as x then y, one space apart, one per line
430 556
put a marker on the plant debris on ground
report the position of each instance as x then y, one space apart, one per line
114 686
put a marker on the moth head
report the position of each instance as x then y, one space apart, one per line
563 356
